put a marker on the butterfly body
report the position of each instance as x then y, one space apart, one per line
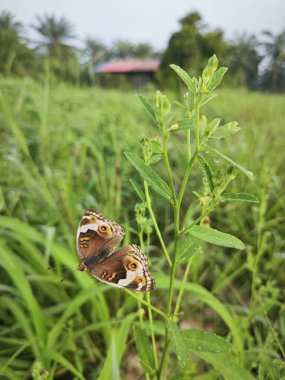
97 241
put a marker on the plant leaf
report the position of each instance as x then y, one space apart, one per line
58 357
144 353
240 197
210 235
148 107
178 342
200 340
223 363
150 176
248 173
137 189
225 130
207 171
187 248
217 78
184 76
116 349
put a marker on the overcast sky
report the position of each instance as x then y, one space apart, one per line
152 21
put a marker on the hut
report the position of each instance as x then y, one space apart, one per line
137 72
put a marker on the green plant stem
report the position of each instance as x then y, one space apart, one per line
174 260
148 308
181 291
186 177
132 294
164 354
152 333
188 144
148 201
167 165
197 129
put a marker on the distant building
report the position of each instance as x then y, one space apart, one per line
138 72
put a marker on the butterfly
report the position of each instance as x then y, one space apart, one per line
97 242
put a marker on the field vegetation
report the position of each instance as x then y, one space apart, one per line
65 149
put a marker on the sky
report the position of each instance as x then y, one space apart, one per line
152 21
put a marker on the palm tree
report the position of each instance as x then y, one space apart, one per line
246 59
55 33
274 47
14 55
62 57
96 51
7 21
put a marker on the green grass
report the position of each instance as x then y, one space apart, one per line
62 152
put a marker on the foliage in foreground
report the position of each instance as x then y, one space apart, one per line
86 329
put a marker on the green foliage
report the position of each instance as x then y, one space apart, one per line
191 47
79 328
274 46
15 56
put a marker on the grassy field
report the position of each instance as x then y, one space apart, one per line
62 151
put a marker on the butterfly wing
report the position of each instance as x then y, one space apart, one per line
125 268
97 236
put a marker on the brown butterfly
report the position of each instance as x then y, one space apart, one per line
97 241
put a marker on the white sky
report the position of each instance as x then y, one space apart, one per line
152 21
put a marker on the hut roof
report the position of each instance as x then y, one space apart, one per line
127 66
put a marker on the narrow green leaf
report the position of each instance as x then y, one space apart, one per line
148 107
150 176
210 235
248 173
187 247
115 374
65 363
184 76
12 265
144 353
212 126
213 62
207 171
200 340
240 197
217 78
137 189
72 308
178 342
225 365
208 98
225 130
120 339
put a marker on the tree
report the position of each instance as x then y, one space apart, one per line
126 50
55 33
191 47
144 51
95 51
245 60
15 56
122 49
274 75
7 21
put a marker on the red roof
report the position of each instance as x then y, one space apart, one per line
130 65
